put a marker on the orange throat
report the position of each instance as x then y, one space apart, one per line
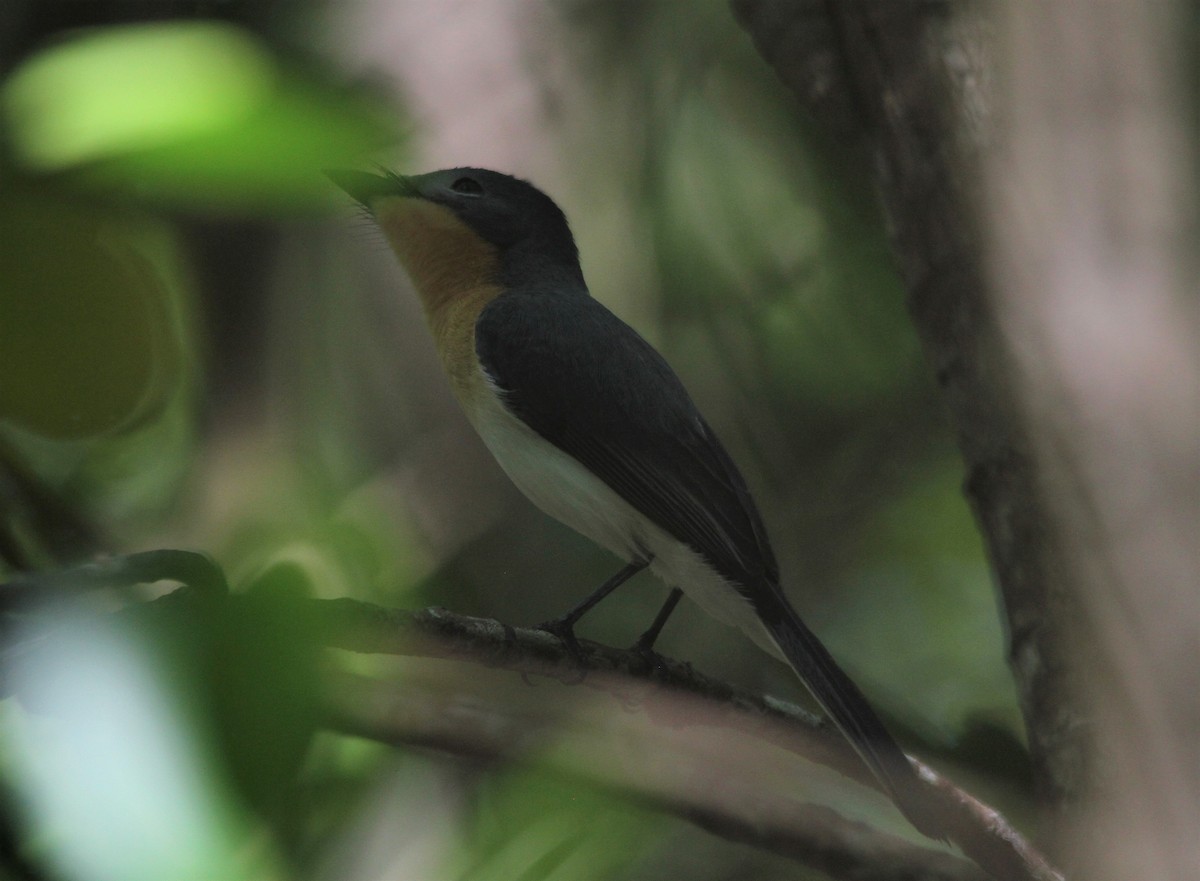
454 272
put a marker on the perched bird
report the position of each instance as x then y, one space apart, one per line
590 422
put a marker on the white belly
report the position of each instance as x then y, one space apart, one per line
558 484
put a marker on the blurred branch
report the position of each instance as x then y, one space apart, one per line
192 568
904 85
384 711
662 778
744 799
29 508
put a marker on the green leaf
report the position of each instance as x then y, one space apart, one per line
88 342
116 91
194 113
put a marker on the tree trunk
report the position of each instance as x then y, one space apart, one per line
1068 358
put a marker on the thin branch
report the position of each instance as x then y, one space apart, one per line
981 832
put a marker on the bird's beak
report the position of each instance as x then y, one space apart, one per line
364 188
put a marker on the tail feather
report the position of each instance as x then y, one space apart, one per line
844 702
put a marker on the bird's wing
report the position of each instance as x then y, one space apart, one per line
589 384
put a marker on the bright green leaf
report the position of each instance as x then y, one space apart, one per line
194 113
118 90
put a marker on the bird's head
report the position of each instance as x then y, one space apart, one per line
460 227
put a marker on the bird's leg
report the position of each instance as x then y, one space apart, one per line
645 643
564 626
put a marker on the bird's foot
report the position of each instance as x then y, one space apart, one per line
652 661
564 630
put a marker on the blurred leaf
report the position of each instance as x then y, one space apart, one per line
98 367
360 544
117 91
798 291
919 617
131 478
197 113
113 771
536 827
260 659
88 342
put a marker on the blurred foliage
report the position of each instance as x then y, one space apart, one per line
123 90
920 571
97 348
97 358
114 760
188 358
529 825
198 114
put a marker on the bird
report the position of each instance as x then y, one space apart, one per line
595 428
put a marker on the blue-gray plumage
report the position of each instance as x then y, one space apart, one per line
634 425
594 427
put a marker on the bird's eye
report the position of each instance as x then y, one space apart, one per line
467 186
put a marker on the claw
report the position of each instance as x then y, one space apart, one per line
562 629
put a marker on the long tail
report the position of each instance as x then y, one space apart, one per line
844 702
